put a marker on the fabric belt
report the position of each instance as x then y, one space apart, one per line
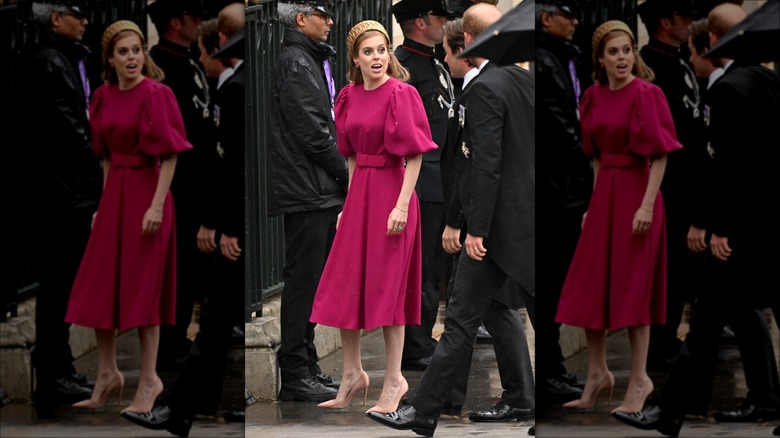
622 160
367 160
132 160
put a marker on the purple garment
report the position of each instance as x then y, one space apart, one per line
84 79
574 80
329 80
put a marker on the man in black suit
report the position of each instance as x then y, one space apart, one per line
510 344
421 22
495 172
176 22
198 386
744 103
66 186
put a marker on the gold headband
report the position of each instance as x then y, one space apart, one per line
606 28
361 28
117 27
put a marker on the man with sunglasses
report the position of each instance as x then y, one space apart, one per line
66 185
307 184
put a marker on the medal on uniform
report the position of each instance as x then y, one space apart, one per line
465 150
461 115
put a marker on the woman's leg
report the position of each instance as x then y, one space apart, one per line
394 385
353 378
639 384
599 378
108 376
149 384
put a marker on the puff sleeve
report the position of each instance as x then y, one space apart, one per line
340 109
651 130
95 115
586 109
162 133
407 132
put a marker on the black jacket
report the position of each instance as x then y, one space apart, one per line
305 170
435 88
567 178
496 173
188 83
60 140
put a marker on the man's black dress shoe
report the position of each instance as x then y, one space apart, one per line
503 412
555 390
159 418
4 398
744 413
62 390
404 418
250 399
776 431
532 431
308 389
650 418
483 336
327 380
81 380
571 379
419 364
450 409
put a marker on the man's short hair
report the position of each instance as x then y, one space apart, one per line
231 19
700 37
286 13
473 23
209 35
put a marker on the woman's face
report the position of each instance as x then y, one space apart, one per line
128 58
373 57
618 58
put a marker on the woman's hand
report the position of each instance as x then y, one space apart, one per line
92 225
152 220
396 222
642 220
584 215
338 220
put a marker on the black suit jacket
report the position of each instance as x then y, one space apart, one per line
745 108
496 179
230 202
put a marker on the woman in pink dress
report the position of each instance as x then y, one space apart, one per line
617 277
373 274
127 276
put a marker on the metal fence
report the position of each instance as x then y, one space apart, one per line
265 235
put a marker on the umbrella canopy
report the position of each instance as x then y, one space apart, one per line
508 40
754 38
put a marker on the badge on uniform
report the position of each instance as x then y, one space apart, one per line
465 150
710 150
461 115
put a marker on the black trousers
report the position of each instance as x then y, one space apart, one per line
64 237
476 286
308 238
557 239
193 271
684 271
512 356
688 387
198 386
418 341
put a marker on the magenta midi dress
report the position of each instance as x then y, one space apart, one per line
126 278
618 279
371 279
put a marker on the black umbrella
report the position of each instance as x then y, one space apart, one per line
508 40
754 38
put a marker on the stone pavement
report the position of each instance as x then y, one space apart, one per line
729 386
21 419
298 419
